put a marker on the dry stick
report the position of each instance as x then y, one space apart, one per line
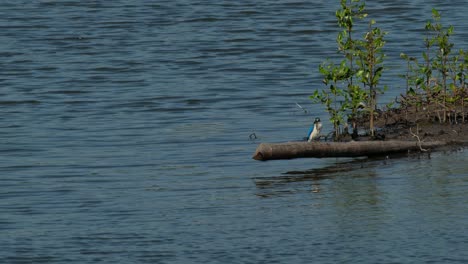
417 137
438 112
463 107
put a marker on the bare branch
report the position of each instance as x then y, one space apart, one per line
419 140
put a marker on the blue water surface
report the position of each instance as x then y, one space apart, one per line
125 127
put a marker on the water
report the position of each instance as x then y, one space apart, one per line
125 138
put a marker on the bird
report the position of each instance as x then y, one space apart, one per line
314 131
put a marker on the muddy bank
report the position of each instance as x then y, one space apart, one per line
414 124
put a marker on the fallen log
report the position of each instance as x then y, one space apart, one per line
292 150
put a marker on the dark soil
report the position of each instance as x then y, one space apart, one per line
414 124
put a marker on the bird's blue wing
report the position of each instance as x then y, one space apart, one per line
310 132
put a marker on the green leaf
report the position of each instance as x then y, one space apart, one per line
379 70
435 14
428 25
360 73
453 87
419 81
425 56
450 30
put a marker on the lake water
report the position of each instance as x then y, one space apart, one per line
125 138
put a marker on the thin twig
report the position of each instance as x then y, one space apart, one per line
419 140
305 110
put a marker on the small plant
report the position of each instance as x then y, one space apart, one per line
444 49
348 46
370 68
435 84
333 98
354 82
439 82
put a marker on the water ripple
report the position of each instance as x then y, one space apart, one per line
125 138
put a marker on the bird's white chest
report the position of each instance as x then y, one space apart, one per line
316 132
318 127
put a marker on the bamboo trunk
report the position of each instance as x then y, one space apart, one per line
291 150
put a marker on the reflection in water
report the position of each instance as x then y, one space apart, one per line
418 201
313 180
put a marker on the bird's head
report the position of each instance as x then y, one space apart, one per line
317 120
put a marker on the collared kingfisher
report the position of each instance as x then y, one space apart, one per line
314 131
